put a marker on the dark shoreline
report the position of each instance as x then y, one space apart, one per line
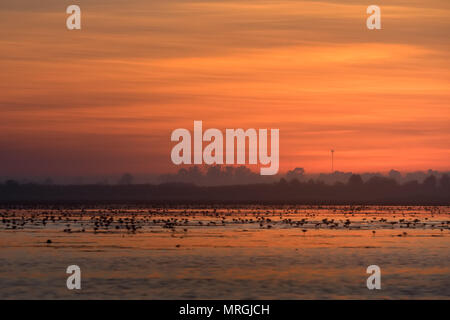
382 193
205 204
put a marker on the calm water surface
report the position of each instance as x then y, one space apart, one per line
247 252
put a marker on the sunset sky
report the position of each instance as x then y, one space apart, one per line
105 99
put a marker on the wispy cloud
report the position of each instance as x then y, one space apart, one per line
138 70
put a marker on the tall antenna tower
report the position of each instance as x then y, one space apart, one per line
332 160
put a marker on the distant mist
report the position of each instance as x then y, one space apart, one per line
224 176
228 175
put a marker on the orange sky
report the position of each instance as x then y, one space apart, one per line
105 99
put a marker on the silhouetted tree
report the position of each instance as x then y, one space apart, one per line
297 174
396 175
214 173
444 182
430 183
355 180
294 182
380 182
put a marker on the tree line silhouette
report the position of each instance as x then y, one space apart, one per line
376 190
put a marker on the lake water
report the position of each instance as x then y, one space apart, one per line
230 252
